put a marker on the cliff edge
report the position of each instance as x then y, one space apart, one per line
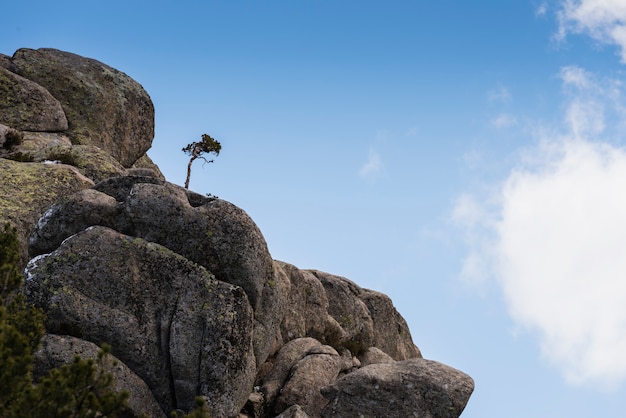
181 285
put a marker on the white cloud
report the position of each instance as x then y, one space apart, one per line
541 10
555 238
373 166
504 120
603 20
573 75
561 256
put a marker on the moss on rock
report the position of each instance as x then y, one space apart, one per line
28 189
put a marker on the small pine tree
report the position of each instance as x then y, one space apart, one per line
197 150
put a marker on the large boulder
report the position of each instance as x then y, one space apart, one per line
177 327
27 106
416 387
318 368
367 319
391 332
59 350
104 107
211 232
306 313
288 356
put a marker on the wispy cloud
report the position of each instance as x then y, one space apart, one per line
553 236
500 94
373 166
504 120
541 10
604 20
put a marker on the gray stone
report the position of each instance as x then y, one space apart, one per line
207 231
391 332
416 387
349 311
294 411
319 368
104 107
28 189
288 356
375 355
183 332
27 106
57 350
306 314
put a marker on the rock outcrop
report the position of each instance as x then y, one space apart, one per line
104 107
168 319
69 110
27 106
183 286
424 387
57 350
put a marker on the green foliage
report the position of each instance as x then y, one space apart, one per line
13 137
10 277
22 157
195 150
79 389
200 411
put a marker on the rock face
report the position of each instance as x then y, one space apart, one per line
104 107
425 388
27 189
27 106
57 350
70 110
183 332
182 286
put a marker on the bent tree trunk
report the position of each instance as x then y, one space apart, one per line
193 157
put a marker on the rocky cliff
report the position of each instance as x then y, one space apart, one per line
181 285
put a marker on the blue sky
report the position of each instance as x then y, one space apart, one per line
466 158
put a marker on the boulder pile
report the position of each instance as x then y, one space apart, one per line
181 285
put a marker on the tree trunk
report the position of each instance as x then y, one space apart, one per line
189 170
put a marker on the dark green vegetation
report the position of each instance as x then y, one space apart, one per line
196 150
12 138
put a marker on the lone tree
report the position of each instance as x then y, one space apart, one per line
197 150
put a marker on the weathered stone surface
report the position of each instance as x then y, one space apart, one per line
374 355
145 162
306 313
183 332
27 189
287 358
319 368
294 411
57 350
104 107
415 387
391 332
5 61
349 311
210 232
132 261
35 142
27 106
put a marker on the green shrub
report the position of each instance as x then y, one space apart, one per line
22 157
12 138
